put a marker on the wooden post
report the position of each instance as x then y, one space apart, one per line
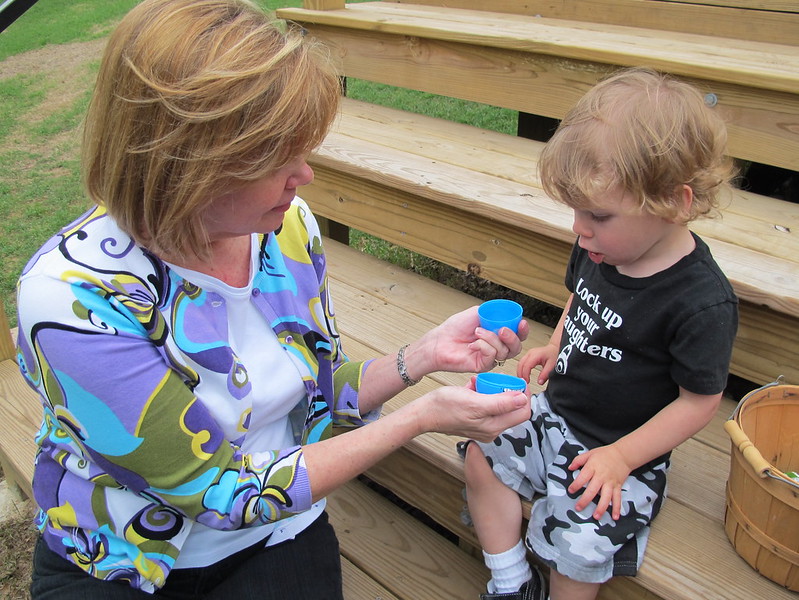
8 350
323 4
334 230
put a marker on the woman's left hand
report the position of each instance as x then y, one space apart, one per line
460 345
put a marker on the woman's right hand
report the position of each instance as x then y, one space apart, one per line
463 412
453 410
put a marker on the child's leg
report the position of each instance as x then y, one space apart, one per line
563 588
495 508
496 512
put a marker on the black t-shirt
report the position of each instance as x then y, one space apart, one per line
629 343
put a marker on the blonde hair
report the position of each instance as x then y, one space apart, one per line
646 132
194 97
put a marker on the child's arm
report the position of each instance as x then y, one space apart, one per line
605 469
544 356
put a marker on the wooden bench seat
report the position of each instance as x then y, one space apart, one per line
380 306
471 198
402 554
543 65
388 553
775 21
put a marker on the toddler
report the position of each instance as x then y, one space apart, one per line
640 357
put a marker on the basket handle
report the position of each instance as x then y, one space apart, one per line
779 381
747 448
752 455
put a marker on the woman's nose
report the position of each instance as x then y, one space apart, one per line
305 174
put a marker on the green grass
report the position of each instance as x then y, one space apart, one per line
444 107
20 94
40 188
61 21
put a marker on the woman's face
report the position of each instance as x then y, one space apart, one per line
258 207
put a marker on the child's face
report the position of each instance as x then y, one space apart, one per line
617 231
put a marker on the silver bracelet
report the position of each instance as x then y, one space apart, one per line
402 369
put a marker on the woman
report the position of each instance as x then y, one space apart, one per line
182 338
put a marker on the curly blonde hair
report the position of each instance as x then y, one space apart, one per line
647 132
195 97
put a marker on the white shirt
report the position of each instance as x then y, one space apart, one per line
276 389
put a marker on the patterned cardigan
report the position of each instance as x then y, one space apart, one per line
126 355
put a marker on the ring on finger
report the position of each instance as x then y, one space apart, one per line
498 363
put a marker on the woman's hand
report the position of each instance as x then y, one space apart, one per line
463 412
452 410
460 345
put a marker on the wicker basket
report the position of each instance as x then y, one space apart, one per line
762 516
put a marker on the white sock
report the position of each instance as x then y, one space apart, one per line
509 569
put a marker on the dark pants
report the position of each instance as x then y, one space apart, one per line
305 568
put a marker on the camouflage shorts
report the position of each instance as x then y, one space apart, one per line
532 458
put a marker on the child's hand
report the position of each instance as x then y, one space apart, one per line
543 356
603 472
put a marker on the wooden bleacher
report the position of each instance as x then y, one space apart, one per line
470 198
386 551
380 306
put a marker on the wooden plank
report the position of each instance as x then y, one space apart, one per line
359 586
690 557
762 126
765 225
440 497
8 349
760 65
405 474
698 476
400 553
766 346
20 417
523 260
323 4
506 209
721 21
787 6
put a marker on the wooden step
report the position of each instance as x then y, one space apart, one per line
756 64
774 21
542 66
401 553
379 307
689 555
357 585
20 418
